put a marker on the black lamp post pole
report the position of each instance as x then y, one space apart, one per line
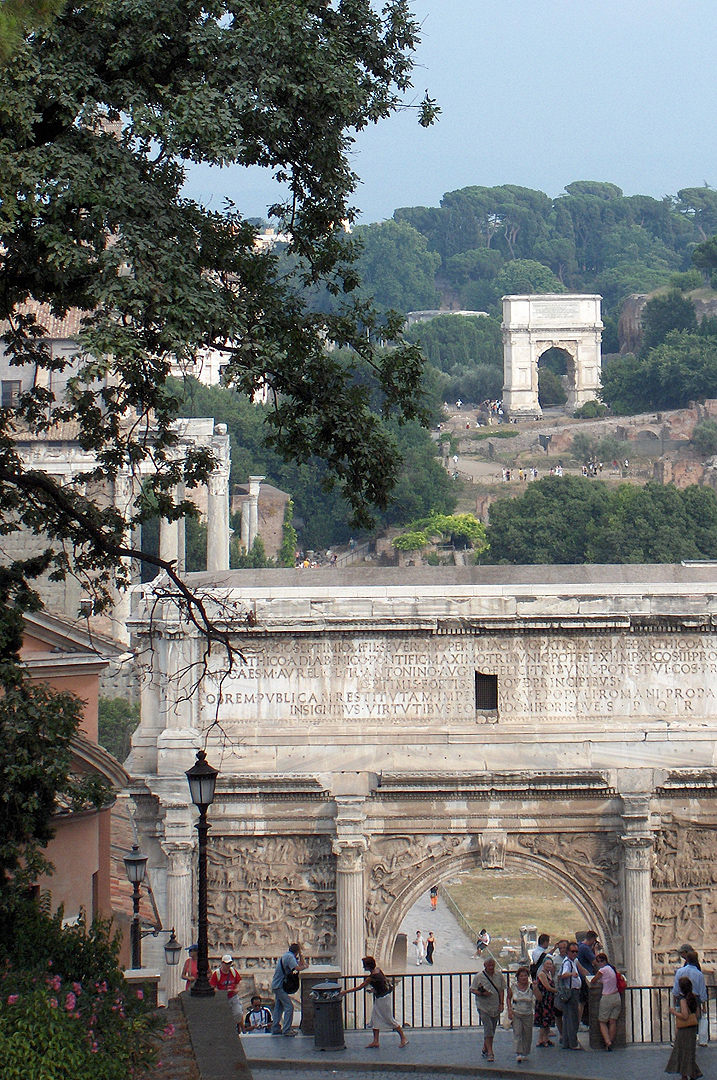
201 986
136 932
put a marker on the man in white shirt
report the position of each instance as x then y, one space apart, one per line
569 976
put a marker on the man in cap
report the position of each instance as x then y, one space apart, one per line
226 977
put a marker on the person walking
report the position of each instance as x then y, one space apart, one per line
382 1013
521 1009
559 954
488 987
690 969
285 983
434 897
420 947
687 1015
189 971
569 982
226 977
610 1000
430 947
545 1001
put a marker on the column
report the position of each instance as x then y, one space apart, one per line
637 845
218 521
179 906
254 486
245 523
121 611
350 905
169 541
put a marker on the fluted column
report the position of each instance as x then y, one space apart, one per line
179 905
350 905
637 843
218 521
121 611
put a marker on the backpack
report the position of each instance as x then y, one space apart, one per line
535 966
621 982
291 981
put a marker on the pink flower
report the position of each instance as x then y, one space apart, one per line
140 994
70 1001
77 987
169 1031
95 1047
13 999
55 982
53 1002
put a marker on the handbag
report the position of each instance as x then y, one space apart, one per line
564 989
691 1021
291 981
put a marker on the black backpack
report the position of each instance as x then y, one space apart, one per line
535 966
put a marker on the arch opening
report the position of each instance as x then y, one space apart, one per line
556 376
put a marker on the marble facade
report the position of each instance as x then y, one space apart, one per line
379 730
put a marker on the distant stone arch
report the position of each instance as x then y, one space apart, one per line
531 326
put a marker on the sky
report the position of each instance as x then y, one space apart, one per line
537 93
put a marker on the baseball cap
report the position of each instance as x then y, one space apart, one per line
227 958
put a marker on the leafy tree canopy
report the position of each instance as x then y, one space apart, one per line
661 314
571 519
396 267
448 340
527 276
464 530
682 369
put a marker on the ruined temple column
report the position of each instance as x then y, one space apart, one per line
254 486
178 906
218 520
350 905
637 843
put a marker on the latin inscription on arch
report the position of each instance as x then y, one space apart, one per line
428 682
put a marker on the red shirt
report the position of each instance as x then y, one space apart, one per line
225 980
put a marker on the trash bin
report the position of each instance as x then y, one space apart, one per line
328 1016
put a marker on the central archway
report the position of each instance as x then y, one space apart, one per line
589 906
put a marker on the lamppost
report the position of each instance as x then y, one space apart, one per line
135 865
202 779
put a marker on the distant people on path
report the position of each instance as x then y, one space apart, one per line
610 1000
420 947
545 1001
684 1049
382 1017
434 897
285 977
521 1011
488 987
189 971
569 993
259 1018
226 977
430 947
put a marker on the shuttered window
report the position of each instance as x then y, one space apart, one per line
486 692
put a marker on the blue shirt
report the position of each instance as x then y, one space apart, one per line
586 957
286 963
697 979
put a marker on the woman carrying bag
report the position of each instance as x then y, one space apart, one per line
682 1058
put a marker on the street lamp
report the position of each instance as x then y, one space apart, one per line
135 865
202 779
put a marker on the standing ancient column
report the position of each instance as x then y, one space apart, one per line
179 905
350 905
254 486
218 520
637 845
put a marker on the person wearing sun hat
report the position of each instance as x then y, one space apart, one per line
189 971
226 977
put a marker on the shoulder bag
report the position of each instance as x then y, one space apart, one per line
291 981
564 988
691 1021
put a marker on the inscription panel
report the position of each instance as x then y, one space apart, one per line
366 682
548 312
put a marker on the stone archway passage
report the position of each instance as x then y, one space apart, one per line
534 324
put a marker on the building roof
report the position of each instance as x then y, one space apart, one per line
65 329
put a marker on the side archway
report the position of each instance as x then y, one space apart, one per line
417 884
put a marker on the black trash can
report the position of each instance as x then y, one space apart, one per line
328 1016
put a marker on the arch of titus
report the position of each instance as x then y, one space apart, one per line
385 729
532 325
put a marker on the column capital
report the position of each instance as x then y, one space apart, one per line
638 851
349 852
179 856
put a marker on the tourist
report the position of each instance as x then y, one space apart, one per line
693 971
545 1001
430 947
610 1000
483 941
258 1019
569 983
682 1058
539 953
488 986
559 953
189 971
434 897
285 983
420 947
382 1014
521 1010
226 977
586 959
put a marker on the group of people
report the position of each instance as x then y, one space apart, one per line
425 947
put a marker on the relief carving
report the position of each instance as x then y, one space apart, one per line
684 875
492 849
265 892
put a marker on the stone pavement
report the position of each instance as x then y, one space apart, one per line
221 1055
454 949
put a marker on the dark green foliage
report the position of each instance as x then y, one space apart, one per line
571 519
687 280
287 551
526 276
590 411
673 311
682 369
623 385
195 545
116 721
450 340
252 560
551 390
705 437
586 448
556 360
396 267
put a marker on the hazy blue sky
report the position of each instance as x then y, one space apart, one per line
537 93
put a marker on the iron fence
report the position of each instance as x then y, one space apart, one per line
444 1000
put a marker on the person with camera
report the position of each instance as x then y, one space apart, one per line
488 986
285 983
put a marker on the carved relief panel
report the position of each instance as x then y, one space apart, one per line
684 905
265 892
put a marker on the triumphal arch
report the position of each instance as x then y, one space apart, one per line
380 730
533 325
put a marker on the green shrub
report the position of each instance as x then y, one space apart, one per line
496 433
116 721
705 437
689 279
590 410
433 559
550 388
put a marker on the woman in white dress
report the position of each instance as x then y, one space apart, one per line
420 947
382 1015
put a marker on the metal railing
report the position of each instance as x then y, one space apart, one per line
444 1000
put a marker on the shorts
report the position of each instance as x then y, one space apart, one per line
610 1006
490 1023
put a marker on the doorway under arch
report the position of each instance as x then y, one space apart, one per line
556 376
589 907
